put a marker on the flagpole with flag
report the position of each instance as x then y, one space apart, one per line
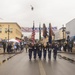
44 31
33 34
39 32
50 33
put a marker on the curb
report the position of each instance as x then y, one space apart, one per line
4 60
67 52
66 58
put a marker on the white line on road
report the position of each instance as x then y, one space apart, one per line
42 70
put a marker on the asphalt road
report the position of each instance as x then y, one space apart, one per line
20 65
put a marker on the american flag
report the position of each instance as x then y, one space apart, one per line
33 34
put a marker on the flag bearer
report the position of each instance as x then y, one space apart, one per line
44 51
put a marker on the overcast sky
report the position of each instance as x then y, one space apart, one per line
56 12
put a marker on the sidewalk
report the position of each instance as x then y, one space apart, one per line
73 51
70 56
67 56
5 56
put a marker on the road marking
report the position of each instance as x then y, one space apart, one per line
42 70
0 62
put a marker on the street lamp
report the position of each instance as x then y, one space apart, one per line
63 29
8 32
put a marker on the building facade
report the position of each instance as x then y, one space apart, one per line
9 30
70 29
60 34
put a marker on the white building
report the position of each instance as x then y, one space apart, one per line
57 37
59 34
70 29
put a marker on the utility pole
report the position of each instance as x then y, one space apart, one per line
63 29
8 33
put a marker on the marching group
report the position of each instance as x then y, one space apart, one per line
37 49
41 50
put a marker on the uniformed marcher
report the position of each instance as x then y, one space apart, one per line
40 51
49 47
35 51
30 51
55 48
44 51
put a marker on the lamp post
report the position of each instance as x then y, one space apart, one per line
63 29
8 32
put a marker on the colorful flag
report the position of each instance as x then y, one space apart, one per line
50 33
39 32
33 34
44 31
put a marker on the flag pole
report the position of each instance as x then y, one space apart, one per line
39 31
44 31
33 33
50 33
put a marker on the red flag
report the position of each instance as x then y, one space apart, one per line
33 34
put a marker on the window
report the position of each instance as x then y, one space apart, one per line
10 30
6 30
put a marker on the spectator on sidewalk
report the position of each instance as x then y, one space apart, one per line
4 46
70 47
26 46
65 47
15 47
9 47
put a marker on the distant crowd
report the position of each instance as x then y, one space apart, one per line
12 47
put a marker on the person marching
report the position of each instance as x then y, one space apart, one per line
40 51
30 51
49 47
55 48
44 51
35 51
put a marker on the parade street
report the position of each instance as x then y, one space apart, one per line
21 65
